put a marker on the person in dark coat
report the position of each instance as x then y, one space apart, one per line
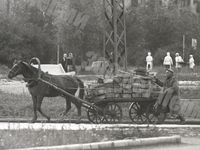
169 100
70 64
64 61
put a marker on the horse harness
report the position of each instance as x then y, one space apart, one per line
31 82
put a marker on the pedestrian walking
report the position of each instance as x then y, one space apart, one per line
149 62
168 62
178 60
191 63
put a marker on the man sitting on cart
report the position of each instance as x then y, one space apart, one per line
169 101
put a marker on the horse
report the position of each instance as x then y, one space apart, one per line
39 89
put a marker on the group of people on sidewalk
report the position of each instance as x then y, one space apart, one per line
168 61
68 62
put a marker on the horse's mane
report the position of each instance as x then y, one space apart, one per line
34 71
29 67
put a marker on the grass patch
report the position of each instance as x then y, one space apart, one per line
21 106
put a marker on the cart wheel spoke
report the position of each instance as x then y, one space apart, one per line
113 113
136 113
136 104
94 116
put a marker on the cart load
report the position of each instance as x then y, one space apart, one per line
125 87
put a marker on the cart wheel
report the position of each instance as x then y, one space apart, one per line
136 114
113 113
94 116
151 114
155 116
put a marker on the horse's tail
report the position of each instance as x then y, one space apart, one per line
80 91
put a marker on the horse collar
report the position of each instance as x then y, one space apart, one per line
31 83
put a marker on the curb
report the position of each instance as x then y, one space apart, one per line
114 144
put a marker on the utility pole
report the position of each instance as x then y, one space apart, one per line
115 32
58 53
59 33
183 46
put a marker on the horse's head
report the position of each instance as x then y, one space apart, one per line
15 70
22 68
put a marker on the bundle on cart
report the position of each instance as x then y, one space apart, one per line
105 90
129 86
134 86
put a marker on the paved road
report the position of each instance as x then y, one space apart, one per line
189 143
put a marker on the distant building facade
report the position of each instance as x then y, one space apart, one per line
193 5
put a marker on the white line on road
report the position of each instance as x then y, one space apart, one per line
72 126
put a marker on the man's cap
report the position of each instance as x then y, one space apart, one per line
170 70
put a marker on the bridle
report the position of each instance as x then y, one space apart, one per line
14 70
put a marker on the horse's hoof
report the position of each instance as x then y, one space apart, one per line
48 119
33 121
61 115
78 121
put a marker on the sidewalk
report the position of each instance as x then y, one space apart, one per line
120 144
187 143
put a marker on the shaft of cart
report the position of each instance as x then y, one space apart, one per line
85 103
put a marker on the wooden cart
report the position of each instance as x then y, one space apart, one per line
141 91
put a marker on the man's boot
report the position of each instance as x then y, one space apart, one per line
161 118
161 114
182 119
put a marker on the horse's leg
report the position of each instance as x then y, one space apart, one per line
34 98
81 96
39 103
78 106
68 105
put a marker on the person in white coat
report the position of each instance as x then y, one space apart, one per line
191 62
178 60
149 62
168 62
